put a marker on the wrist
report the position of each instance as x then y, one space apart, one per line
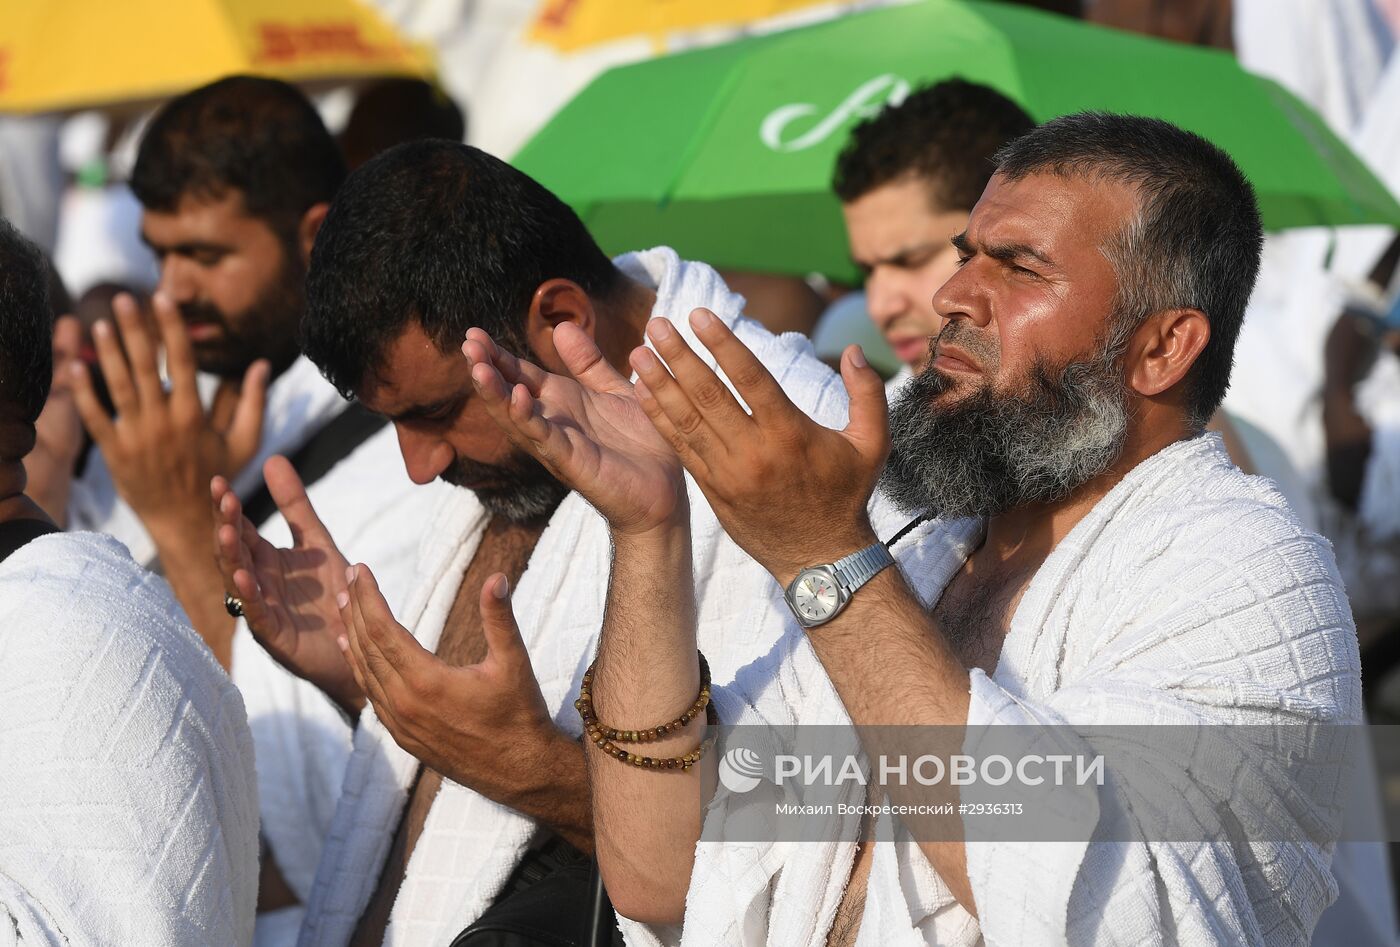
666 540
822 550
182 532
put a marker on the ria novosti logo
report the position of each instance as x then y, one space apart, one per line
741 769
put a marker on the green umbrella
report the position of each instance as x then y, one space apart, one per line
726 153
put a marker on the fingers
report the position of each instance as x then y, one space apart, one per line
244 432
869 426
289 494
255 611
502 634
353 648
90 409
754 383
389 657
480 347
179 354
517 413
685 445
698 404
114 369
140 351
67 341
585 360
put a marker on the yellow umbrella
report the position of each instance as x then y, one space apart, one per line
65 54
568 25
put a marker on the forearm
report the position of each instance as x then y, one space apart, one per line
892 667
557 793
1348 438
48 484
648 821
193 574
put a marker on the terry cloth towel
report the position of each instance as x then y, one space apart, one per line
376 515
470 844
299 403
128 804
1188 595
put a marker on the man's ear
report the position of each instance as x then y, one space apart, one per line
1164 349
307 229
555 302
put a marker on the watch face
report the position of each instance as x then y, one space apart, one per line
814 595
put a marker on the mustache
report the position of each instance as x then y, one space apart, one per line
979 345
464 471
195 312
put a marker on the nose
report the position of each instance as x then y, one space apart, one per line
177 279
424 456
963 297
885 299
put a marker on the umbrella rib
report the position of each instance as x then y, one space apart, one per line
702 128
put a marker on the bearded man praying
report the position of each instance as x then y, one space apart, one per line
1094 558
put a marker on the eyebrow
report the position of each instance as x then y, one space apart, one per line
1005 252
420 411
899 257
185 248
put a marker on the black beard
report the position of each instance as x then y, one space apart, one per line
520 493
267 329
991 452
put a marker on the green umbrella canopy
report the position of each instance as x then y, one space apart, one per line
726 153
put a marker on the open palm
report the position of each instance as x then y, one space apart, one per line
589 430
289 596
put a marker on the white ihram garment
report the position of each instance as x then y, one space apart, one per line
470 844
1188 595
128 804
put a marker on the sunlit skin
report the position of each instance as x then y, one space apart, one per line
432 403
429 396
1034 287
213 252
901 243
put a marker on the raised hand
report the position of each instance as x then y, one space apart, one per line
456 719
288 595
588 430
59 430
789 491
163 447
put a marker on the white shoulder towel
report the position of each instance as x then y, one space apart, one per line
299 403
128 804
376 515
469 844
1188 595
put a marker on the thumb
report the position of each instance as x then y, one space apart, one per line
584 360
67 339
289 494
869 427
245 430
503 641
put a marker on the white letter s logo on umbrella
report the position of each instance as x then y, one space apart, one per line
864 102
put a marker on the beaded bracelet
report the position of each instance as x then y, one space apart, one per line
603 737
584 705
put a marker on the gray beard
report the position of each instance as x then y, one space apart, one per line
530 491
993 452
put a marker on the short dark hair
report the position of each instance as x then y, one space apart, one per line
443 234
944 135
26 328
1195 240
251 134
394 111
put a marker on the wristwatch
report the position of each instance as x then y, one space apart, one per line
820 593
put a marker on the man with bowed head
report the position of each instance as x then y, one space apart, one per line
467 780
1096 559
